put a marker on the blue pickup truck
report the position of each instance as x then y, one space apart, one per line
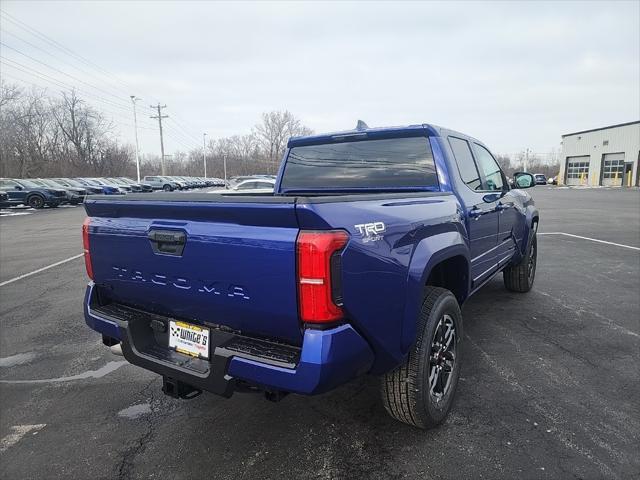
357 263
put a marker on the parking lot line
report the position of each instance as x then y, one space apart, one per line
99 373
19 431
15 279
591 239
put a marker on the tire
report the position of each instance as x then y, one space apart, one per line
35 201
520 277
167 188
408 394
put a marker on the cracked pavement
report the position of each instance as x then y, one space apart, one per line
549 385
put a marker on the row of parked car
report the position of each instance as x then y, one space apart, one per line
170 183
53 192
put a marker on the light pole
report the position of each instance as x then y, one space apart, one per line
135 126
204 153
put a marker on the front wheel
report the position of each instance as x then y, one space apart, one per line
167 188
36 201
420 392
520 277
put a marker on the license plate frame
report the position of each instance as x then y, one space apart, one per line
189 339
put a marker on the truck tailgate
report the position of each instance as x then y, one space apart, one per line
229 264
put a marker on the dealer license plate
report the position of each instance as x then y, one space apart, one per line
189 339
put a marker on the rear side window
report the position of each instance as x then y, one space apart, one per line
466 165
388 163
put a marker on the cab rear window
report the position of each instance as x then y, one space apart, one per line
383 164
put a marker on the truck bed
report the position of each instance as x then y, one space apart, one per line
238 266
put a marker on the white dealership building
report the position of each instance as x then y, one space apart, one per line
605 156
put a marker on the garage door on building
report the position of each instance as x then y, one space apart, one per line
578 170
612 169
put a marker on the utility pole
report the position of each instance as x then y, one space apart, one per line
204 153
135 126
160 117
526 159
224 160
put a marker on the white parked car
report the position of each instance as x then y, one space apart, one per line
255 184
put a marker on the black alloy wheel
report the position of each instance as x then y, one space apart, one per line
36 201
444 350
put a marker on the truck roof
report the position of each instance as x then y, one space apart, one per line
376 132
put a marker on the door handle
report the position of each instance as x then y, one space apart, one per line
167 242
475 212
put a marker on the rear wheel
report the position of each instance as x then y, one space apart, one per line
520 277
420 392
35 201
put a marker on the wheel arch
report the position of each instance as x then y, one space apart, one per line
446 274
532 221
35 194
437 261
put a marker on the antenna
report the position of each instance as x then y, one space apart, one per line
361 126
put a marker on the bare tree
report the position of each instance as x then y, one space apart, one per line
275 130
8 93
26 129
505 164
86 130
62 135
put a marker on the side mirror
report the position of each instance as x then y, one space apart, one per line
18 187
523 180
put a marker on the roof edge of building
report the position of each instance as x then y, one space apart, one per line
601 128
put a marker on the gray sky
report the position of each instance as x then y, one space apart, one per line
515 74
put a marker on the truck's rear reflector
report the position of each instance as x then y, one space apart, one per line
85 245
315 294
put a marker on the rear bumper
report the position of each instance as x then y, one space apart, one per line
327 358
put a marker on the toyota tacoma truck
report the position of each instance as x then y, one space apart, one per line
357 263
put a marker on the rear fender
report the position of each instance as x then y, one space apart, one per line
429 252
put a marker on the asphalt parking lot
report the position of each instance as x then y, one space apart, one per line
549 387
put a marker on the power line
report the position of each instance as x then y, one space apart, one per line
178 134
58 70
185 131
66 86
44 76
111 113
186 123
60 47
186 147
173 134
61 60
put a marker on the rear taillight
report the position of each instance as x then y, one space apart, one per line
85 245
316 295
